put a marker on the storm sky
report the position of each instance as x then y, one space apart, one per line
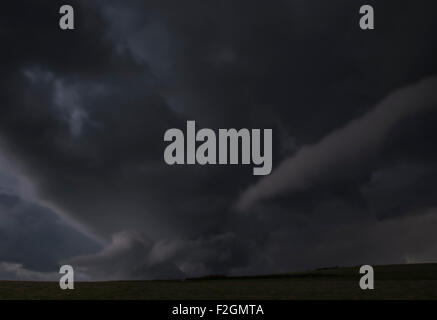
83 114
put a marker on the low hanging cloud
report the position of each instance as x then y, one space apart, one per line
126 257
16 271
362 136
131 255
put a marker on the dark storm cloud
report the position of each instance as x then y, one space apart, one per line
84 112
35 237
127 256
345 147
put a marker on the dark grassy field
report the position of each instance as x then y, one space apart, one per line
416 281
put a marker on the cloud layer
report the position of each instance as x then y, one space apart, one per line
83 115
345 147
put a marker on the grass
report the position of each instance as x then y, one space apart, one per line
414 281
